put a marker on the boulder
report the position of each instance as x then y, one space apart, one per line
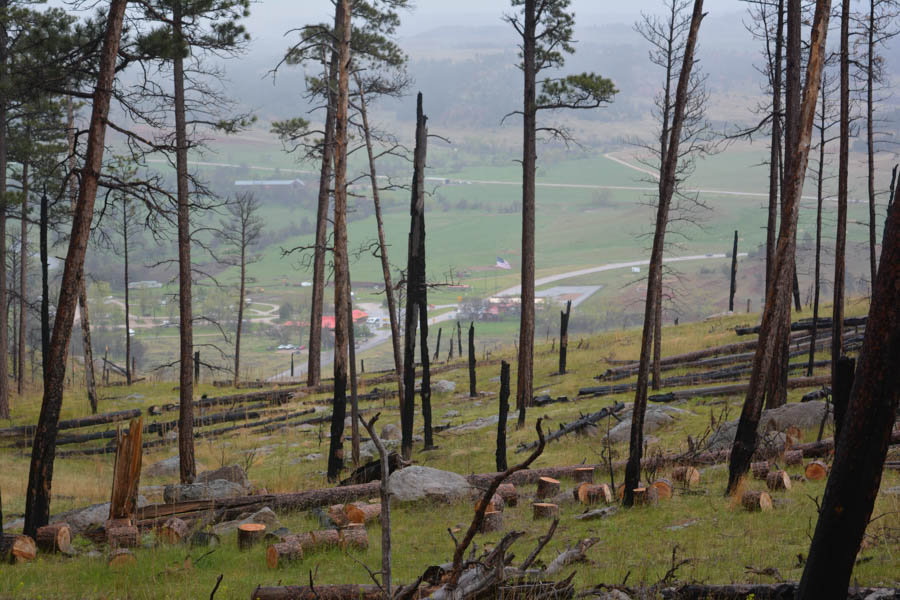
217 488
654 419
81 519
451 413
442 386
232 473
167 468
416 483
264 516
391 432
804 415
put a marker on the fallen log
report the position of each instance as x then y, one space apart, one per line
597 513
823 323
759 591
778 480
318 592
816 470
113 417
731 390
371 471
584 421
276 397
545 400
56 537
15 549
754 500
173 531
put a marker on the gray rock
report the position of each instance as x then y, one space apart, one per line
442 386
416 483
654 419
218 488
264 516
232 473
451 413
81 519
479 423
167 468
805 415
391 432
613 595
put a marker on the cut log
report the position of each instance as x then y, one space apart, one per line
113 523
645 496
320 592
545 510
493 521
121 557
547 487
756 500
290 550
816 470
663 488
760 469
122 537
778 480
355 536
361 514
576 425
588 493
761 591
735 390
56 537
338 516
249 534
584 475
496 504
620 490
16 548
173 531
687 475
508 492
793 457
28 430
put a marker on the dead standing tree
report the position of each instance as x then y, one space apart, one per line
864 436
654 278
40 476
778 296
546 30
840 244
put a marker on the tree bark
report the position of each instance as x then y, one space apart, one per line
437 348
775 148
840 244
240 315
4 342
415 281
529 165
864 435
870 139
341 260
733 288
842 387
45 283
820 196
654 278
564 336
472 391
23 283
128 373
426 362
778 295
37 500
187 466
354 397
503 415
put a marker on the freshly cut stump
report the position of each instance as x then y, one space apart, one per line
663 488
584 475
816 470
284 552
56 537
620 490
778 480
545 510
361 514
15 548
547 487
173 531
122 537
760 469
249 534
793 457
645 496
355 536
753 501
508 492
588 493
121 557
113 523
687 475
495 505
493 521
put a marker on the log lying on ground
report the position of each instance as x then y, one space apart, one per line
113 417
272 397
597 513
588 493
360 514
759 591
754 500
584 475
508 492
734 390
16 548
663 488
318 592
371 471
492 521
760 470
121 557
295 546
824 323
576 425
793 457
816 470
646 496
689 475
778 480
126 536
56 537
545 400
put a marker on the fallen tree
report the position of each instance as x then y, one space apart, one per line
101 419
740 388
807 325
576 425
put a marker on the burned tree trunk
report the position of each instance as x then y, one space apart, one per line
503 415
865 435
820 196
775 148
437 349
564 336
354 397
778 295
426 363
23 284
126 472
654 278
459 338
40 476
840 244
842 387
472 391
733 289
415 281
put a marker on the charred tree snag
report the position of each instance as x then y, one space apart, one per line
778 296
437 347
840 244
354 396
341 260
564 336
733 290
423 351
459 338
503 415
473 393
415 280
842 386
654 277
126 472
40 476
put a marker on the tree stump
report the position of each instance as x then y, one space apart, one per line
122 537
620 490
121 557
588 493
584 475
16 548
287 551
249 534
338 516
760 469
508 492
663 488
495 505
687 475
645 496
816 470
354 536
360 514
545 510
754 500
778 480
173 531
56 537
547 487
793 435
793 457
493 521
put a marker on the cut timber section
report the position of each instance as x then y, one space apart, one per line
493 521
294 546
15 549
760 469
360 514
319 592
778 480
816 470
663 488
588 493
756 500
56 537
584 475
793 457
249 534
495 505
509 494
645 496
545 510
689 475
173 531
547 487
